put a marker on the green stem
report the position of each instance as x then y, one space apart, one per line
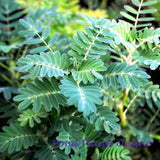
128 136
24 51
18 54
121 113
152 119
44 41
23 83
155 136
7 79
4 66
93 41
129 105
139 9
8 23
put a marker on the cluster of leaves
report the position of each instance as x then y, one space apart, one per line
69 82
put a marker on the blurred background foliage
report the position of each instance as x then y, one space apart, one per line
156 14
65 22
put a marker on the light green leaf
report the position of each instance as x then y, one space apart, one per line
46 32
88 70
83 96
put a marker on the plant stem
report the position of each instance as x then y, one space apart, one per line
131 103
4 66
121 113
152 119
7 79
8 23
139 9
44 41
155 136
93 41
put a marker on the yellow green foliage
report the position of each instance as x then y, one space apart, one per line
156 14
27 3
97 13
66 20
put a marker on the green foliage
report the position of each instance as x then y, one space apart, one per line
151 35
10 13
30 116
115 152
47 14
105 116
85 89
151 93
46 151
95 41
11 111
81 95
113 8
38 94
7 92
149 58
46 64
77 157
138 14
156 14
88 70
124 75
142 134
69 136
15 138
34 29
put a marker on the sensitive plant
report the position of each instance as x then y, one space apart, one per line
92 86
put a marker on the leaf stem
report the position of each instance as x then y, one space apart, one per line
94 39
130 103
139 9
8 23
43 41
152 119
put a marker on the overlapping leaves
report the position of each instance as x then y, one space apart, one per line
95 40
47 14
137 15
40 93
28 116
150 35
10 12
104 116
148 57
8 91
89 69
47 152
121 75
69 138
124 34
115 152
45 64
38 35
14 138
151 93
142 134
